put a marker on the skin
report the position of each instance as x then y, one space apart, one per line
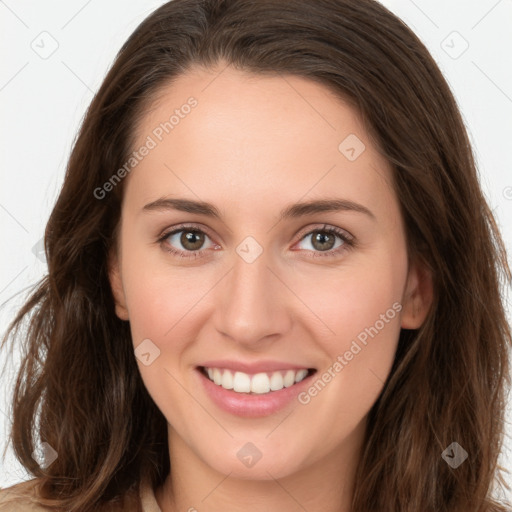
253 145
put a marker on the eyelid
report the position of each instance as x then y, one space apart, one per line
182 227
343 233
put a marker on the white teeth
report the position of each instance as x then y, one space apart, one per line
301 375
289 378
276 381
217 376
241 382
260 383
227 380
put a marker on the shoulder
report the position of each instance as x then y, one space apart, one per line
21 498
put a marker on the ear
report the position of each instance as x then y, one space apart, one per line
418 296
116 284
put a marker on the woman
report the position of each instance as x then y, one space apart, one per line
273 278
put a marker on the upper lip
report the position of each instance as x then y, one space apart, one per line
254 367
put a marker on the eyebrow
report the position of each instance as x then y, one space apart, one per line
292 211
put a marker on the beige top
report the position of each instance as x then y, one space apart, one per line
16 499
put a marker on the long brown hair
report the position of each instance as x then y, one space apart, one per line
448 381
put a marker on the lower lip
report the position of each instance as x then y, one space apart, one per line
252 405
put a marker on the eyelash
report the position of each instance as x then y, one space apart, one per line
348 241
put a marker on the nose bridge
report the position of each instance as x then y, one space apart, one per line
251 305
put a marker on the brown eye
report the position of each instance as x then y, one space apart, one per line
322 241
327 241
192 240
187 242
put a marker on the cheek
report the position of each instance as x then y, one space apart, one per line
158 295
159 303
362 307
344 302
163 303
352 299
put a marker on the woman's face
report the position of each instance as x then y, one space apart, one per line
253 287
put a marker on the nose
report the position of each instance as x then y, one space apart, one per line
252 302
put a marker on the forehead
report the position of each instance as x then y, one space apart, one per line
256 135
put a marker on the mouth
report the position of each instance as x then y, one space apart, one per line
261 383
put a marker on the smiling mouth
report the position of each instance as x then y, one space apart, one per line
259 383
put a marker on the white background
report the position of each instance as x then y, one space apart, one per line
43 100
